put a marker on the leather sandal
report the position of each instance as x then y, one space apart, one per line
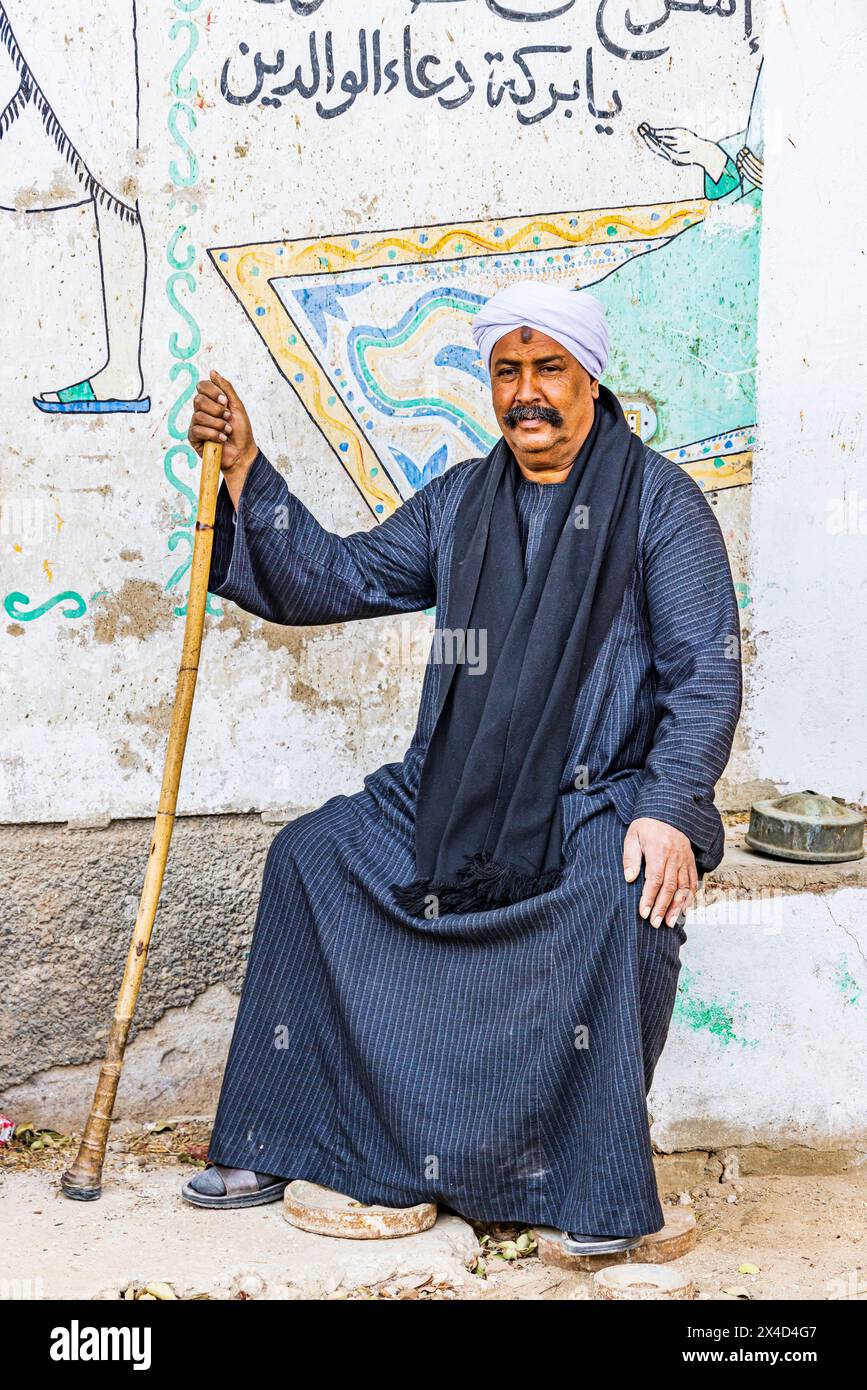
241 1189
577 1243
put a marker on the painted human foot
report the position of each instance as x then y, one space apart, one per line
105 393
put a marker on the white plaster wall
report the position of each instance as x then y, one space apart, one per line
805 717
768 1038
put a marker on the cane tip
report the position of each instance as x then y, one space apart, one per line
76 1193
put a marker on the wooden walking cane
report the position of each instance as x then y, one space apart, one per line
83 1181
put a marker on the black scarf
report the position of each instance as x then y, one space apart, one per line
487 825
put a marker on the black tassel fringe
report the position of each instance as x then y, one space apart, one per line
483 883
13 108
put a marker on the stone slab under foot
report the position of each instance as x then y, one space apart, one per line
325 1213
675 1239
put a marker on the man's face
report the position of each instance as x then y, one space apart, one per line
543 398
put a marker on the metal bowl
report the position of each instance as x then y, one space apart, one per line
808 827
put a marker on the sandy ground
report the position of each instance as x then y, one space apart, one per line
807 1237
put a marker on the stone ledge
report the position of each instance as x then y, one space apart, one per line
739 859
742 871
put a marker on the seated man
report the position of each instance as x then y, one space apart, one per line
455 991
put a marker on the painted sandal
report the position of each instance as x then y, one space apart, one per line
80 400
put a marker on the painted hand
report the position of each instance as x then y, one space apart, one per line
670 874
681 146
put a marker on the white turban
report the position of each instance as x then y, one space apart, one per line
574 318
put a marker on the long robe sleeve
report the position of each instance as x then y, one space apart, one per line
275 560
729 182
695 632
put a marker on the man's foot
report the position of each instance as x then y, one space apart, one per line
220 1186
576 1243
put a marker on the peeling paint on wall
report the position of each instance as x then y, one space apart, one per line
707 1015
848 986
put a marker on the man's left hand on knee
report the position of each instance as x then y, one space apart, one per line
670 874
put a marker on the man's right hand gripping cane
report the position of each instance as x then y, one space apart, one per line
219 417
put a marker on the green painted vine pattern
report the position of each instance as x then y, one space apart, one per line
185 338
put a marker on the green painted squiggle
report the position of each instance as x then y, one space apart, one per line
184 26
189 369
172 259
183 178
174 540
13 604
183 277
185 452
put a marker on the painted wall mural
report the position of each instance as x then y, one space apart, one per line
374 341
321 189
92 119
371 330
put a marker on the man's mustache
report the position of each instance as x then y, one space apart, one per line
532 412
